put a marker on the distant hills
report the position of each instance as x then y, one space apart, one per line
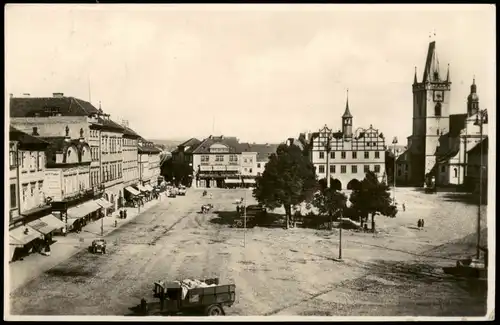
168 145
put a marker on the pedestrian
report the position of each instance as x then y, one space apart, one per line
419 223
116 223
121 214
144 306
422 223
404 207
124 214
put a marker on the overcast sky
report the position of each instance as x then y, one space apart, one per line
262 73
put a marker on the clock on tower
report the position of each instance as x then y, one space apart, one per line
438 95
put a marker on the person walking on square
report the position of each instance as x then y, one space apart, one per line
419 223
423 223
404 207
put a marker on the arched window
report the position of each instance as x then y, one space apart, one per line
437 109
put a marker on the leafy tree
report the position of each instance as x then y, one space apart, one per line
330 202
288 179
372 197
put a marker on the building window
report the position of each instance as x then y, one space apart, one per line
455 172
321 169
244 160
377 154
366 168
437 109
343 169
250 170
219 158
12 158
342 155
25 193
332 169
233 158
377 168
367 155
32 189
205 158
13 196
258 165
321 155
23 159
332 155
354 155
443 168
399 172
41 161
40 192
354 169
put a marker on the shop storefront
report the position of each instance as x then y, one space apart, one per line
22 241
146 193
133 197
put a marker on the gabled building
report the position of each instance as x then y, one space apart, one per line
179 168
216 160
149 164
346 155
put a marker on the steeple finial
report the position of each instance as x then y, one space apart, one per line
415 76
448 74
347 113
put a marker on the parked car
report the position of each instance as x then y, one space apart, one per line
98 246
182 190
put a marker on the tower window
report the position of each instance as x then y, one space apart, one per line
437 109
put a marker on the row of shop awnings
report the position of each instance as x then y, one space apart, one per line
25 234
145 188
239 181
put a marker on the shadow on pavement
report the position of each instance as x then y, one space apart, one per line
467 198
230 218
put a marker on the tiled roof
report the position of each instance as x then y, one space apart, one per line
25 140
457 124
231 142
108 123
129 132
147 147
66 106
477 147
448 147
192 143
263 150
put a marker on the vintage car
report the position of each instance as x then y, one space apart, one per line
182 190
98 246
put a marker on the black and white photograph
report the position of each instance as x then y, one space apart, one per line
273 162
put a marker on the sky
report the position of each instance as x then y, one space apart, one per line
262 73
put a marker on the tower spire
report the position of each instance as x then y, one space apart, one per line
448 74
347 113
415 77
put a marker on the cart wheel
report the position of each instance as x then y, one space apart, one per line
239 224
214 310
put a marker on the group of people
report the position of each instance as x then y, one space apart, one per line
420 224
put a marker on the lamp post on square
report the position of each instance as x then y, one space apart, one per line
481 118
394 142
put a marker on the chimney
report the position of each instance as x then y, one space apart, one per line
35 131
26 95
58 95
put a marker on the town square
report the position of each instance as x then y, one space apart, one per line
161 166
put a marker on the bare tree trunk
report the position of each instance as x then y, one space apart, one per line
373 222
288 213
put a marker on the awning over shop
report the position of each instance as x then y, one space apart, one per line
149 187
23 235
232 181
142 188
47 224
132 191
249 181
103 203
91 206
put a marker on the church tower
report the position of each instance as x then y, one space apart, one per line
347 119
472 100
431 115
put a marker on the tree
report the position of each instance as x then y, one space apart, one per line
288 179
372 197
330 202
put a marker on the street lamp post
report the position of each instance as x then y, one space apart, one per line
394 142
328 149
481 118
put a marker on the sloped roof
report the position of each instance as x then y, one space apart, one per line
129 132
66 106
146 146
231 142
457 124
477 147
448 148
192 143
104 122
263 150
25 140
